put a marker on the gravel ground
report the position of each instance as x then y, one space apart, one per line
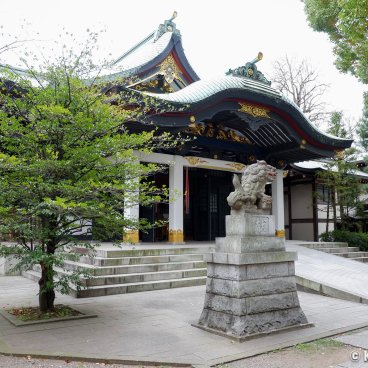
325 353
29 362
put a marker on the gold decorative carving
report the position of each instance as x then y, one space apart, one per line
195 160
252 158
192 119
170 70
285 173
280 233
302 144
176 236
280 164
219 132
254 110
339 154
153 84
236 166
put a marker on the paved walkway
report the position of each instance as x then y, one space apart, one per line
156 327
332 275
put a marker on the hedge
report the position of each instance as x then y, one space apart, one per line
353 239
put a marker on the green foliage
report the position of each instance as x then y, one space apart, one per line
346 23
336 125
67 159
353 239
362 128
339 175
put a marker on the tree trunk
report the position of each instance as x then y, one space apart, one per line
334 209
46 289
328 211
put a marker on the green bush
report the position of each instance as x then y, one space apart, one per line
353 239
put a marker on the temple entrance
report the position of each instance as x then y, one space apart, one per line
208 190
156 212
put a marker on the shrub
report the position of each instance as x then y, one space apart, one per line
353 239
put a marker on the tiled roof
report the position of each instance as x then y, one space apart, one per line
203 89
143 54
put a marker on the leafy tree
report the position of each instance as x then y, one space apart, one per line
339 176
346 23
67 159
299 81
362 129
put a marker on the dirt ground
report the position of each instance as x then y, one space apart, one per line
326 353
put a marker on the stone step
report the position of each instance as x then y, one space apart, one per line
95 291
102 290
361 259
103 262
136 252
32 275
124 271
319 245
339 250
137 268
352 254
143 277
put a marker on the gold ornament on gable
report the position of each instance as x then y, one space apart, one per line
170 70
339 154
219 132
254 110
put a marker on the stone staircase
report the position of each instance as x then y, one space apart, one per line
120 271
339 249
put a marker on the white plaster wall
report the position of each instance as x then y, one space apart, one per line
303 231
301 202
322 211
322 227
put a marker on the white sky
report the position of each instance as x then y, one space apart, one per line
217 35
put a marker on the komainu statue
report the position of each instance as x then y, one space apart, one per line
249 195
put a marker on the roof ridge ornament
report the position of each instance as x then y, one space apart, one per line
167 26
249 70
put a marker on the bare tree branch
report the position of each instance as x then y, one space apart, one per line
299 81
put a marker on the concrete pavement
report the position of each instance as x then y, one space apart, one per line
156 327
329 274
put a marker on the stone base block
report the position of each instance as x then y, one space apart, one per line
252 271
258 287
250 224
251 325
249 244
249 258
251 305
252 336
250 287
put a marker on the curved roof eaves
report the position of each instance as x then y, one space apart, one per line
203 89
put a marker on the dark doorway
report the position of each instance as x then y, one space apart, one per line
208 190
158 211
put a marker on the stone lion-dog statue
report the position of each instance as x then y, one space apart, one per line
249 194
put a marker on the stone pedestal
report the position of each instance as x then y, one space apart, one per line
251 287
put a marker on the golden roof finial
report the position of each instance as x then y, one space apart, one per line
175 14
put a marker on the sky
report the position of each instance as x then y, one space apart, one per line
216 35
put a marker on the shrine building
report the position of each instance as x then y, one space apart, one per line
234 120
